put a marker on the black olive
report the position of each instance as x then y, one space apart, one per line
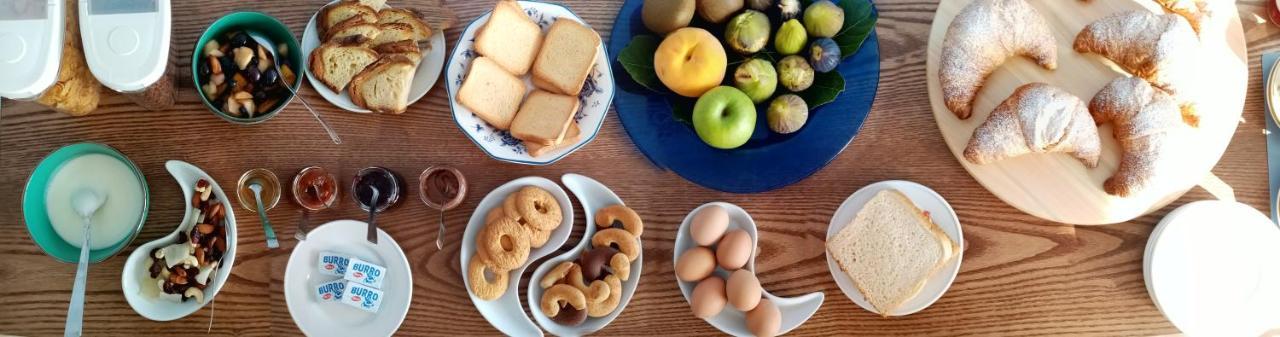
228 64
259 95
269 78
251 73
204 72
239 40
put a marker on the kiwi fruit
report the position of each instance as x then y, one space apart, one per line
717 11
665 16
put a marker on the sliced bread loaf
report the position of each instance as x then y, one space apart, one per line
411 17
491 92
572 135
890 250
408 48
392 32
375 4
544 117
334 64
331 15
510 38
353 31
384 85
568 52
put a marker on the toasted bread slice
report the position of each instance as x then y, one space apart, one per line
572 135
334 64
568 52
413 18
331 15
353 30
392 32
384 85
544 117
491 92
890 250
408 48
510 38
375 4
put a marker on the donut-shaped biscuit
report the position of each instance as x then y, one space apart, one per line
560 295
509 207
598 291
607 306
537 237
483 287
630 220
505 243
538 208
621 266
493 215
556 274
620 239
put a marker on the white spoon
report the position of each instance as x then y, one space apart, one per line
86 202
271 48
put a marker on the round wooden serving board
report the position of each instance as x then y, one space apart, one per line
1058 187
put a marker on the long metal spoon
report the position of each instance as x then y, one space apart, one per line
262 215
86 202
271 48
373 211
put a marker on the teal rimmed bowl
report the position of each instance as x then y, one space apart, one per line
37 218
249 21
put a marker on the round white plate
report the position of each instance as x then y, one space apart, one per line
317 318
1212 269
423 80
594 100
506 313
795 310
927 200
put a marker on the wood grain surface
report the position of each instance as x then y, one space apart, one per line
1021 275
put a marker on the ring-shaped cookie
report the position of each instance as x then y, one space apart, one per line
559 295
598 292
493 215
538 238
556 274
505 243
538 208
481 286
621 266
620 239
509 207
630 220
609 304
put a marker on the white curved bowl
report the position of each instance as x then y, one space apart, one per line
593 196
336 319
136 276
795 310
506 313
423 80
942 214
594 101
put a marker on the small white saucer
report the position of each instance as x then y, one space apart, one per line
317 318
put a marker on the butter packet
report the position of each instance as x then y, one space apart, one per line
330 291
363 297
363 272
333 264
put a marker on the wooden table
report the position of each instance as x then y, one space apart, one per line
1021 275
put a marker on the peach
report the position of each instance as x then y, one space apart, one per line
690 61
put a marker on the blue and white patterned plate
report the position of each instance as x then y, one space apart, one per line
596 96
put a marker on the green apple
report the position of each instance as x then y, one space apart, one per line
724 117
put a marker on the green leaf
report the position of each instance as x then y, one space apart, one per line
637 59
682 109
859 22
826 87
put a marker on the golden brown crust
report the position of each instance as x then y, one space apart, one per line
983 35
1160 48
357 96
1036 118
1145 121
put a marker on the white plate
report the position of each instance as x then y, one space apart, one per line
1211 267
317 318
593 196
423 80
506 313
795 310
135 276
942 214
594 101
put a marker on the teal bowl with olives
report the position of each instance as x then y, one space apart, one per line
233 73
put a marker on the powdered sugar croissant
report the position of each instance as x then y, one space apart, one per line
1036 118
1161 48
983 35
1195 11
1146 123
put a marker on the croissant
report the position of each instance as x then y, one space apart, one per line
983 35
1145 122
1161 48
1036 118
1195 11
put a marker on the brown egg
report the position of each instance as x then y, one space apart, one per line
743 290
734 250
709 224
765 319
708 298
695 264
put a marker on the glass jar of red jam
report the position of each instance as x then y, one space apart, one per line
315 189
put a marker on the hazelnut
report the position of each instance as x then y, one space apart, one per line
243 56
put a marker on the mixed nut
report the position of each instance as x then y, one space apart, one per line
237 76
182 269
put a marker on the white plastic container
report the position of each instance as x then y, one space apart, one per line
30 46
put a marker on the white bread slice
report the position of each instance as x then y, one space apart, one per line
392 32
890 250
384 85
408 48
353 31
491 92
544 117
421 30
510 38
375 4
572 135
568 52
334 64
331 15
